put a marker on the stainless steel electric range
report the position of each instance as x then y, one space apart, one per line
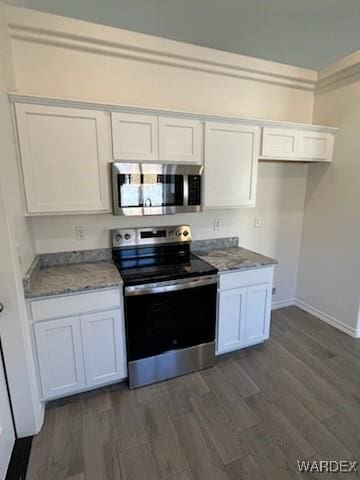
170 303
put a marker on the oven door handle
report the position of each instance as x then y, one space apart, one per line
177 285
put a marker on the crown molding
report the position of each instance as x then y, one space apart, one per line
344 71
16 97
52 30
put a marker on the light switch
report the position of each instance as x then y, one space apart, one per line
80 233
258 221
217 224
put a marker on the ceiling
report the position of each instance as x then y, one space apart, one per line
306 33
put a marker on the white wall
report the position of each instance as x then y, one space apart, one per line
329 277
113 67
14 326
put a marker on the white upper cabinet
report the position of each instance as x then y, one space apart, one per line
279 142
64 156
152 138
135 136
231 159
298 145
180 140
316 146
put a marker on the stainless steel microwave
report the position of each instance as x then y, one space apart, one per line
156 188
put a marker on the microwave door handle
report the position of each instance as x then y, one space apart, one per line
150 289
186 190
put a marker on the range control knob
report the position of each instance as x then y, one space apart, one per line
178 233
127 236
118 238
186 233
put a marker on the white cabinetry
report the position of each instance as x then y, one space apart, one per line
244 309
230 329
231 158
64 156
103 344
298 145
258 311
180 140
80 341
59 350
152 138
316 146
279 142
135 136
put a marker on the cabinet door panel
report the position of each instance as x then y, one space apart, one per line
64 155
279 142
135 137
104 347
180 140
258 311
230 328
316 145
231 158
60 358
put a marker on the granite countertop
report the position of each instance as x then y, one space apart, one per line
76 277
234 258
70 272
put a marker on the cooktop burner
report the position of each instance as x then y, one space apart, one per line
155 255
145 270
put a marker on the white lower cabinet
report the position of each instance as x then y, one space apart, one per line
82 351
103 346
231 323
60 356
244 311
258 311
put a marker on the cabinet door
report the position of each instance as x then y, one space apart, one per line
231 159
316 145
59 350
104 347
231 318
180 140
135 137
64 155
279 143
258 312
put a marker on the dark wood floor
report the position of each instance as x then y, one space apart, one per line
251 417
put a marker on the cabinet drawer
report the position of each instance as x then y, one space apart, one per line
245 278
75 304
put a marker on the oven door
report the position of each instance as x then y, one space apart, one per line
155 189
170 328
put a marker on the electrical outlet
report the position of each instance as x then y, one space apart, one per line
80 233
258 222
217 224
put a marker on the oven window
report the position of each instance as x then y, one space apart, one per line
161 322
150 190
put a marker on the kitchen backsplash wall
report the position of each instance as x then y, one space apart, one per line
280 201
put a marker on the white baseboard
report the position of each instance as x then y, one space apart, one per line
283 303
353 332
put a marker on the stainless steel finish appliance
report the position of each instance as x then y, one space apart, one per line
156 188
170 303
